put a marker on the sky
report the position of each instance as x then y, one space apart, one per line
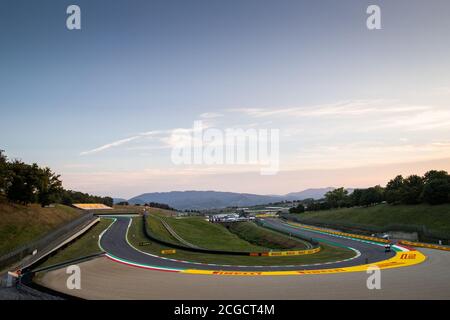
104 106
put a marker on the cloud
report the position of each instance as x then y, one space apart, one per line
110 145
164 136
366 153
77 166
210 115
120 142
342 109
427 120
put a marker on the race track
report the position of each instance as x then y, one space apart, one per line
105 278
114 242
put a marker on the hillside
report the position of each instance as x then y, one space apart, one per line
21 224
203 199
314 193
435 219
199 200
209 235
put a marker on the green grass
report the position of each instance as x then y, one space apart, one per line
434 218
328 253
21 224
265 237
207 235
157 228
86 245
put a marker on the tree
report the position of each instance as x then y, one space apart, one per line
300 208
337 198
108 201
412 189
49 187
436 175
436 191
22 182
394 190
372 196
355 197
3 171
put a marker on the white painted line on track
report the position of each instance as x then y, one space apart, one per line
358 254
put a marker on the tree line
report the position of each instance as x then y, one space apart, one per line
28 183
150 204
432 188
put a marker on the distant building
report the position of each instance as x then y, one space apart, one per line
228 217
91 206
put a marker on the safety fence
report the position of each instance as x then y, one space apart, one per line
424 245
423 232
345 234
35 247
151 236
313 242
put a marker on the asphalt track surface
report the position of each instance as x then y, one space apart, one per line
103 278
114 242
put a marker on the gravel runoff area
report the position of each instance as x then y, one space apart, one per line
102 278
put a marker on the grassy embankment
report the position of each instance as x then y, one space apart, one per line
136 235
433 218
21 224
207 235
86 245
265 237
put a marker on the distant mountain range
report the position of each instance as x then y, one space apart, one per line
199 200
316 193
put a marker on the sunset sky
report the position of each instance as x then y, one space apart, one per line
354 107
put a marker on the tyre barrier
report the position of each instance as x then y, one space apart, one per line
156 239
424 245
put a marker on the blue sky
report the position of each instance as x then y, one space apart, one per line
342 96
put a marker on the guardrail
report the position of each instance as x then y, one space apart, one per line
423 232
45 241
345 234
424 245
148 233
313 242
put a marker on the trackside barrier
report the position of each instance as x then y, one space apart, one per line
42 243
293 253
357 236
156 239
401 259
285 253
310 240
424 233
68 262
424 245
